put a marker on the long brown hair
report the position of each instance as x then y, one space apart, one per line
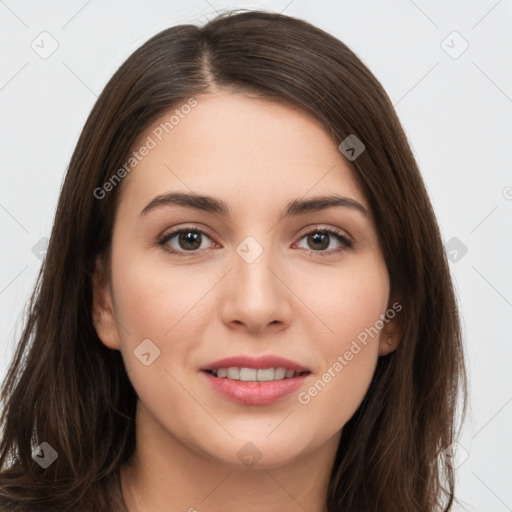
64 387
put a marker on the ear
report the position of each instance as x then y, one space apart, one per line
103 312
391 333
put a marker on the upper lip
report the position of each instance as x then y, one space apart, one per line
265 361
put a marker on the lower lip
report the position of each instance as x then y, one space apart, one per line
255 393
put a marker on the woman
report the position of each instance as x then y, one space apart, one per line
245 300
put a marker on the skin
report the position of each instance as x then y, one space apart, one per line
256 155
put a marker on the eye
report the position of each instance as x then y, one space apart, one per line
320 239
189 241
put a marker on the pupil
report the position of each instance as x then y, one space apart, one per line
317 237
189 238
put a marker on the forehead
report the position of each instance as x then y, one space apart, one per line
247 150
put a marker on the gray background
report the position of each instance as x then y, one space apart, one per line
455 105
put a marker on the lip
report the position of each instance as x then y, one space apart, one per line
265 361
254 393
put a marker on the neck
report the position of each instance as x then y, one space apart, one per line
166 475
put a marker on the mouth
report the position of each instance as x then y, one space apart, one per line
251 380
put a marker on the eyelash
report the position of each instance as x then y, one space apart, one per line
338 234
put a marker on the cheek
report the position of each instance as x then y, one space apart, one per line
349 304
348 300
155 300
333 396
162 304
336 390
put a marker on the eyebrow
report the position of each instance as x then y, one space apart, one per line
218 206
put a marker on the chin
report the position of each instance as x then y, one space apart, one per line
257 452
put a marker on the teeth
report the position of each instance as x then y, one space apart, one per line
255 375
234 373
279 373
266 374
248 374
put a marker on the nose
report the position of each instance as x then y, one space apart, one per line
255 295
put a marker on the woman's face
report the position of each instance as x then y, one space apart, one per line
259 279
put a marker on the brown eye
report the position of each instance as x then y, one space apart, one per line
187 240
319 240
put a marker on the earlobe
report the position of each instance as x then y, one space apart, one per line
391 334
388 344
103 313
